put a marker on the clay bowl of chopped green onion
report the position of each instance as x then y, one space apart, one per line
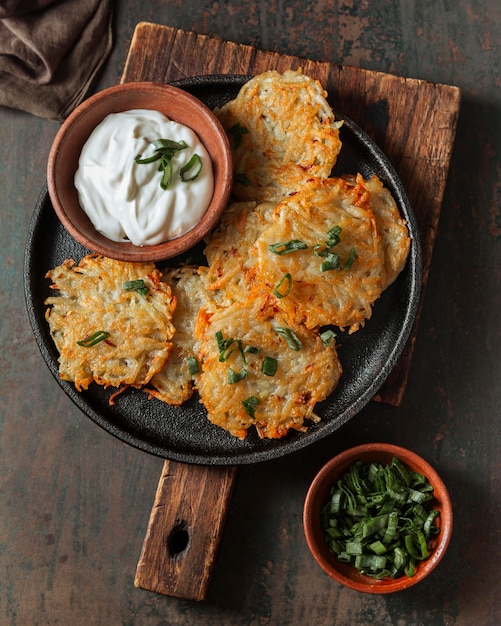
377 518
173 165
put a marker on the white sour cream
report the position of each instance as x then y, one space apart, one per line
124 199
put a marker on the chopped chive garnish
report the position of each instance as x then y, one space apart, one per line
166 169
192 364
269 366
165 150
236 131
194 166
326 336
331 262
375 520
93 339
252 349
321 249
334 236
229 346
169 147
250 405
351 259
290 337
234 377
151 159
136 285
283 289
220 340
286 247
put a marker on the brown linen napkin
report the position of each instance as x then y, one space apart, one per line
50 51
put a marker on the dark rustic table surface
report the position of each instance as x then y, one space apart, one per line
75 502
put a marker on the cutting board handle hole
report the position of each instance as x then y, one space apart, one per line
178 539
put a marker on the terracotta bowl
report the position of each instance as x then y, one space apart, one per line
176 104
318 495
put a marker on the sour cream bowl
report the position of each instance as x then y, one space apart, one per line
178 106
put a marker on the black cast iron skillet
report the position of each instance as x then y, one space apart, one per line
183 433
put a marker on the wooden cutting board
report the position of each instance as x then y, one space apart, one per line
414 122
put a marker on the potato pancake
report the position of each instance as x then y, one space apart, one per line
174 382
231 266
391 226
335 275
259 370
283 132
111 321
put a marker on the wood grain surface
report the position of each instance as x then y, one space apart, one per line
185 530
413 121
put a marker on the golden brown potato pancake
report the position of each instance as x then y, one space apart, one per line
231 265
232 385
390 225
174 382
342 292
105 332
283 132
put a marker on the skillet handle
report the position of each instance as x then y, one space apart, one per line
184 530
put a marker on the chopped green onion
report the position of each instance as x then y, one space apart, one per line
192 363
351 259
166 169
428 526
220 340
224 344
165 150
376 521
290 337
250 405
235 377
136 285
377 547
279 290
326 336
331 262
334 236
93 339
269 366
332 239
229 347
320 249
195 164
236 131
286 247
252 349
150 159
169 146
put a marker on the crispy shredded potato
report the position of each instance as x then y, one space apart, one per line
343 296
283 132
243 266
174 382
232 268
390 225
92 298
286 399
